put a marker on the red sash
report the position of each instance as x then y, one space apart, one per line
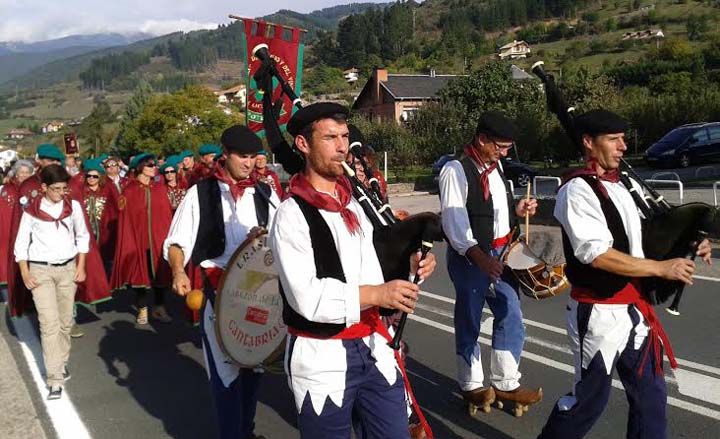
630 294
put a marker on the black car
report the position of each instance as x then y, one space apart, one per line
693 143
519 173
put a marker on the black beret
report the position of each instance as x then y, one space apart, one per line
496 124
307 115
241 140
599 122
355 135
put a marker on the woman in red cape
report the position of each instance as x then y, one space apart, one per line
143 225
21 170
99 202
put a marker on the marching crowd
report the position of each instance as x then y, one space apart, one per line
74 234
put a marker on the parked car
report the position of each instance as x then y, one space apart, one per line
692 143
519 173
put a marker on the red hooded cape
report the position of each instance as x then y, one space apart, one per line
8 198
143 225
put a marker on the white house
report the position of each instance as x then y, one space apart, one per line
351 75
52 127
514 50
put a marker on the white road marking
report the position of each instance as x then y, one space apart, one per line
63 415
676 402
555 329
711 279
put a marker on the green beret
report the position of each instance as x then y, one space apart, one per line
94 165
102 158
209 148
167 165
186 153
307 115
262 152
50 151
140 157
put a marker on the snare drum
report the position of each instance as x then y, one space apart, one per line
537 279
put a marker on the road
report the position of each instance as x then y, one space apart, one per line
150 382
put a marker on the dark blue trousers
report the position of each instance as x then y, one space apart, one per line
646 394
235 405
375 408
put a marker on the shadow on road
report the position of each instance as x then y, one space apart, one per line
167 384
441 406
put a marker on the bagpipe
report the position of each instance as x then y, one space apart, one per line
669 231
395 241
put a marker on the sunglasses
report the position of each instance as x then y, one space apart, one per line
150 164
169 172
113 165
89 176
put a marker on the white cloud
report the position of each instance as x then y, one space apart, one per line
34 20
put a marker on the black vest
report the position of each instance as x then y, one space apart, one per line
481 211
210 242
603 283
327 265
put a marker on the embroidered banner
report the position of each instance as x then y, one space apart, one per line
287 50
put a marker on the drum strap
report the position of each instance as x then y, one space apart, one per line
211 279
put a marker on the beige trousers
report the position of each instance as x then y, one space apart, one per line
54 299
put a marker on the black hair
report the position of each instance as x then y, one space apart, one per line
52 174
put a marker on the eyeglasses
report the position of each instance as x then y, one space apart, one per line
58 189
111 165
89 176
502 147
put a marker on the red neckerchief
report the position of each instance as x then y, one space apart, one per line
591 170
237 188
485 174
300 186
35 211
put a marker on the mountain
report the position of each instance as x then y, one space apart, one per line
321 20
64 69
94 41
18 58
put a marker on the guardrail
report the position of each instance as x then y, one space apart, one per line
715 190
677 183
544 178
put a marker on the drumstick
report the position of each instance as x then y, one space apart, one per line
527 215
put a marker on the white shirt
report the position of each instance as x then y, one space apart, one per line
324 300
318 367
238 216
45 241
578 210
453 187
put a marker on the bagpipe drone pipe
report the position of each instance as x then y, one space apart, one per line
669 231
395 241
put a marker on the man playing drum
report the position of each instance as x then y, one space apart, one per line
215 217
610 323
339 366
477 218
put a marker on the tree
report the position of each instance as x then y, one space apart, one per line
124 145
182 120
697 26
93 130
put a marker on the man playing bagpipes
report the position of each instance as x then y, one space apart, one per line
610 323
339 365
213 220
479 218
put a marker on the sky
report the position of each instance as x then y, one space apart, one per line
37 20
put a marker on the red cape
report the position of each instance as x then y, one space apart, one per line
143 225
19 297
106 195
8 198
199 172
